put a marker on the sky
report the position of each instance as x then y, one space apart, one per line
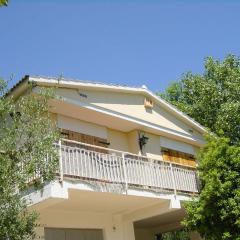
129 42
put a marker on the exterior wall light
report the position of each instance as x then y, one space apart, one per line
142 140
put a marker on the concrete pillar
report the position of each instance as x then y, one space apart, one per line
115 229
39 233
128 230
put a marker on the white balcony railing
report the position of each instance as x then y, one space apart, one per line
85 161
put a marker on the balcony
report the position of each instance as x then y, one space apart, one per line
80 161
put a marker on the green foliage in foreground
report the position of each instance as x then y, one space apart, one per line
3 3
216 214
26 137
175 235
211 98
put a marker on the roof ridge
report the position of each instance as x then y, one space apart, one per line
87 81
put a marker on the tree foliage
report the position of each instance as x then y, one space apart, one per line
26 144
3 3
213 98
216 214
181 234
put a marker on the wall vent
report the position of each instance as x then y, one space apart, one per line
148 103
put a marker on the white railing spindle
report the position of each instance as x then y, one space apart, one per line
112 166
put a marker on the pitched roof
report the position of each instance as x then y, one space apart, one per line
73 83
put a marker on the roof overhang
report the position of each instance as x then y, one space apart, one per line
84 112
24 84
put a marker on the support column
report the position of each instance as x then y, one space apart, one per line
128 231
39 233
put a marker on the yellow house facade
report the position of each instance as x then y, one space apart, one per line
127 162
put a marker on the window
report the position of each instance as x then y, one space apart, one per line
80 137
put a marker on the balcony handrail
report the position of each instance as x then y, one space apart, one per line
126 153
86 161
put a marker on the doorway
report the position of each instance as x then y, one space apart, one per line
73 234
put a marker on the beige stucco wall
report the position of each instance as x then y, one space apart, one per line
130 105
118 140
113 228
152 149
122 141
84 127
85 213
133 142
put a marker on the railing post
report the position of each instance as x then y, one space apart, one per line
60 161
125 173
173 180
197 180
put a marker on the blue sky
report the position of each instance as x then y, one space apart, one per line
128 42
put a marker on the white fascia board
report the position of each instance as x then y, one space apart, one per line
60 192
146 92
51 190
161 195
79 84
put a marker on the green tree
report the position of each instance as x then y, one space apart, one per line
216 213
27 157
211 98
3 3
174 235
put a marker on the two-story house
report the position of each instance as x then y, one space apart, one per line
126 163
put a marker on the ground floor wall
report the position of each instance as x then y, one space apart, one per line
112 226
137 215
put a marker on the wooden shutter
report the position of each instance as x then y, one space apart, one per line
178 157
80 137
